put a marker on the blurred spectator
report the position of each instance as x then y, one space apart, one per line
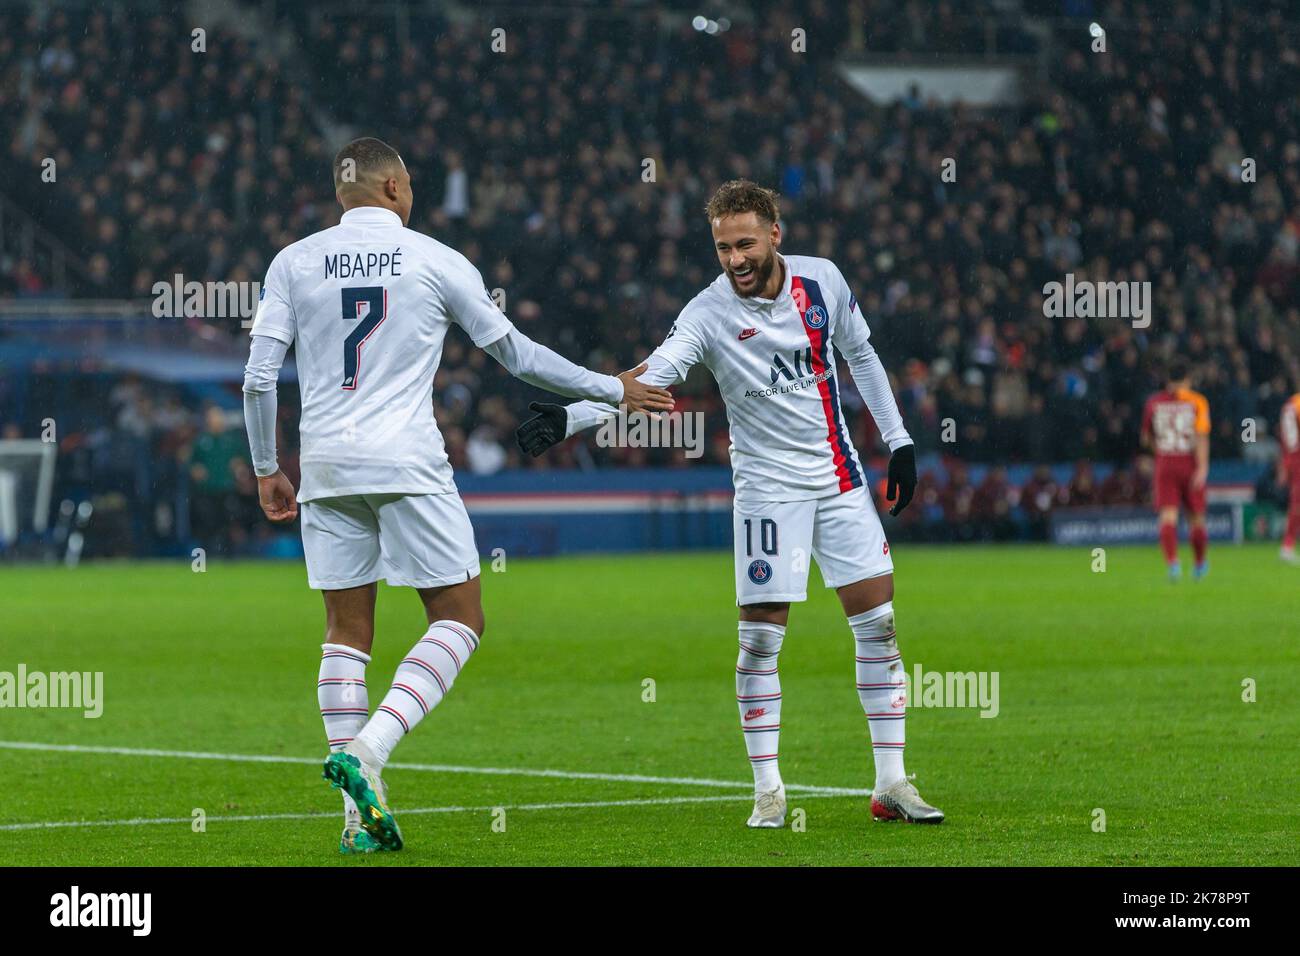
530 161
219 481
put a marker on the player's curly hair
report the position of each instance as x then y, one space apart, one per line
741 196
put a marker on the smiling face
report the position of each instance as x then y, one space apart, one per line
746 245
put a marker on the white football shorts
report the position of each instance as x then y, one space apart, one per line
417 541
775 540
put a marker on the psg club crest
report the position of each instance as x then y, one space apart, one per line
815 317
760 572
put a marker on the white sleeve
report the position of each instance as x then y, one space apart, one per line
873 383
469 304
659 372
265 356
685 345
537 365
852 337
275 316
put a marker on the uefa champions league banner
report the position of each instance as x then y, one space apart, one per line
1125 525
538 513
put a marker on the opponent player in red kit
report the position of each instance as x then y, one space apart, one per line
1289 471
1176 426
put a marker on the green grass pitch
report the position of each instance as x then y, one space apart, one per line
1118 691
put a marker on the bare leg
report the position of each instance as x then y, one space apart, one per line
350 617
456 602
861 596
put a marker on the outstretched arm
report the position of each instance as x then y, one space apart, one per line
554 423
654 372
537 365
469 303
683 347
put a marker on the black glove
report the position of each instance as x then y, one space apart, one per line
538 434
902 477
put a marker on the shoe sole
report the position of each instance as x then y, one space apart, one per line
347 850
375 820
362 844
882 814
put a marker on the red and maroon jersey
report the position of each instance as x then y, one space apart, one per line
1173 420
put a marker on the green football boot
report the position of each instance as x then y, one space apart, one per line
357 840
346 772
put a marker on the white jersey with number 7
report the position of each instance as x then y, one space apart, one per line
368 303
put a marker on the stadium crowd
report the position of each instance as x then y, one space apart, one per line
1120 166
163 472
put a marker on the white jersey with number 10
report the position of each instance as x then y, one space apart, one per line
774 364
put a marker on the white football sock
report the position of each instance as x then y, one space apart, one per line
882 688
422 680
341 692
758 694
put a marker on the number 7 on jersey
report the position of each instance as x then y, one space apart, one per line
376 297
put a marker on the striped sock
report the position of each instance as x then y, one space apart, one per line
882 688
758 694
341 692
422 680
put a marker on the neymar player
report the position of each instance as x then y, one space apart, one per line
765 328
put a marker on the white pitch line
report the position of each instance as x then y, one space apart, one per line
426 767
250 818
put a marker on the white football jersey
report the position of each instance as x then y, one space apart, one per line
368 303
773 363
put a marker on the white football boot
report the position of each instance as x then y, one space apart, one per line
902 802
769 809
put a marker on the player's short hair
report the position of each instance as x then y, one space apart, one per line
741 196
1177 370
369 157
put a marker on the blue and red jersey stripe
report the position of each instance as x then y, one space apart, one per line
807 293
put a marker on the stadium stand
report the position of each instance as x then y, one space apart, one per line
1115 168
